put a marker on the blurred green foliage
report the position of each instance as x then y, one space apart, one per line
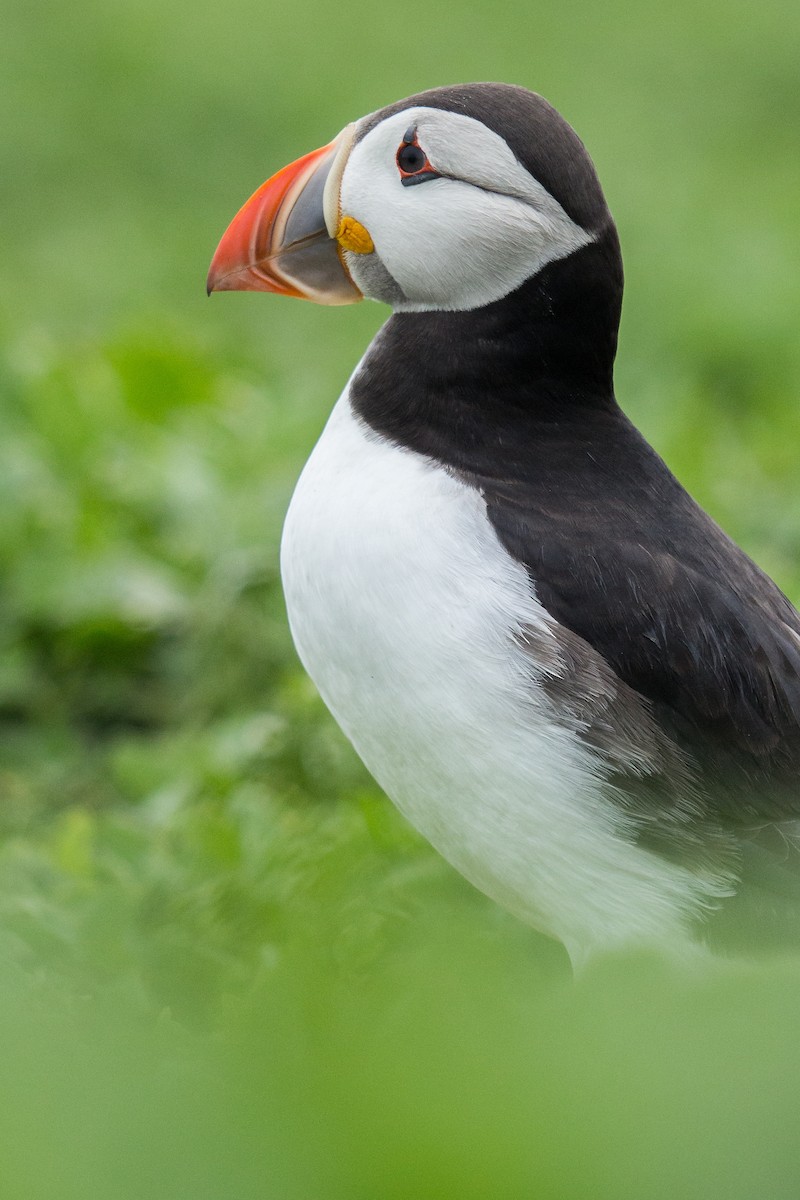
228 967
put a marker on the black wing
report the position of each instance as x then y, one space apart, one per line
620 555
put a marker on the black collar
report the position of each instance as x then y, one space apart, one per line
474 389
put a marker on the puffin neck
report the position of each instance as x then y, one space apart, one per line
477 389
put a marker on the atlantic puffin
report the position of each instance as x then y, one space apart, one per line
552 660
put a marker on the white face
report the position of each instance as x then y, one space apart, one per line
457 241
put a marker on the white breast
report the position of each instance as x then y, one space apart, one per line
403 606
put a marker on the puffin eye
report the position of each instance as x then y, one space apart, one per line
412 161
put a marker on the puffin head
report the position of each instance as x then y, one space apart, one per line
446 201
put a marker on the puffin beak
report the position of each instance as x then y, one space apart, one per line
286 237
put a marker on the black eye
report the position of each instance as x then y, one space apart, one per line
411 159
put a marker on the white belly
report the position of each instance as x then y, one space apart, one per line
403 606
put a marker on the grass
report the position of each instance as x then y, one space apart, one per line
228 967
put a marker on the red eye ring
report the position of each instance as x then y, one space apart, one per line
412 161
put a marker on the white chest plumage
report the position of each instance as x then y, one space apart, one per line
404 609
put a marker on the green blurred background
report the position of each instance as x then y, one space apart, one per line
229 970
